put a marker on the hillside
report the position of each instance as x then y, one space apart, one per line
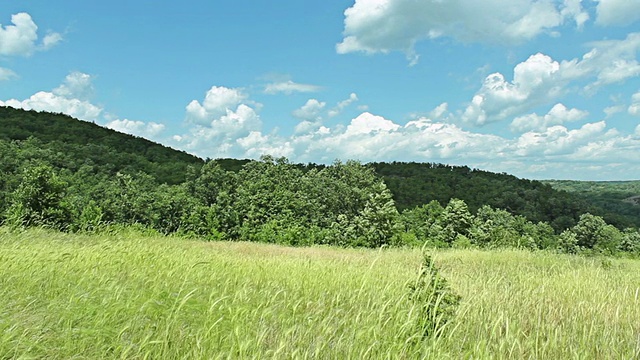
73 143
80 147
414 184
619 197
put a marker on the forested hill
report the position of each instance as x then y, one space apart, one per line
73 143
414 184
619 197
96 154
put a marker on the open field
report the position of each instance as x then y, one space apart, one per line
130 296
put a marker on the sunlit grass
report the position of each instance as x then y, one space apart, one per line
128 296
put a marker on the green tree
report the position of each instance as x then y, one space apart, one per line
39 199
592 232
378 222
456 220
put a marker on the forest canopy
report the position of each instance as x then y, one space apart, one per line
77 176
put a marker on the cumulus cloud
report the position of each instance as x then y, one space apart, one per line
47 101
615 109
67 99
137 128
221 119
617 12
290 87
547 148
313 113
367 123
610 61
21 37
558 115
50 40
540 80
310 111
373 26
218 101
534 81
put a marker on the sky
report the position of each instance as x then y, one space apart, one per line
545 89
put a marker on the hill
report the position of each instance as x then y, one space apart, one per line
414 184
74 146
618 197
73 143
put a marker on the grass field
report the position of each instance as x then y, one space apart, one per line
129 296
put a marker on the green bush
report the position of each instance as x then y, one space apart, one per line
436 302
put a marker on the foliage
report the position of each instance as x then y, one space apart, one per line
437 303
72 143
415 184
98 178
615 197
38 200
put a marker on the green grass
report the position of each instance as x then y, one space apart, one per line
131 297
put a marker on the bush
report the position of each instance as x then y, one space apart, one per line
39 200
436 302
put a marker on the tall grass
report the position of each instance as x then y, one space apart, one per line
133 297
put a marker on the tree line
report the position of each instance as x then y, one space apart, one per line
272 200
89 178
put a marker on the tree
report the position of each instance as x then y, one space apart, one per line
378 221
456 220
592 232
39 199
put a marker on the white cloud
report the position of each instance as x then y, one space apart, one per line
353 97
367 123
534 81
137 128
68 98
224 116
549 151
373 26
615 109
617 12
573 10
439 111
558 115
219 101
310 111
21 37
289 87
51 40
256 144
76 85
7 74
46 101
610 61
634 108
540 80
558 140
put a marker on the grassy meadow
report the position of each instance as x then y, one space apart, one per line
130 296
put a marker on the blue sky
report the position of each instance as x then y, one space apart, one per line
546 89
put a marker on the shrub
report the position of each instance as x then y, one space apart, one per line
436 302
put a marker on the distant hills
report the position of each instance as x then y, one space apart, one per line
68 144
